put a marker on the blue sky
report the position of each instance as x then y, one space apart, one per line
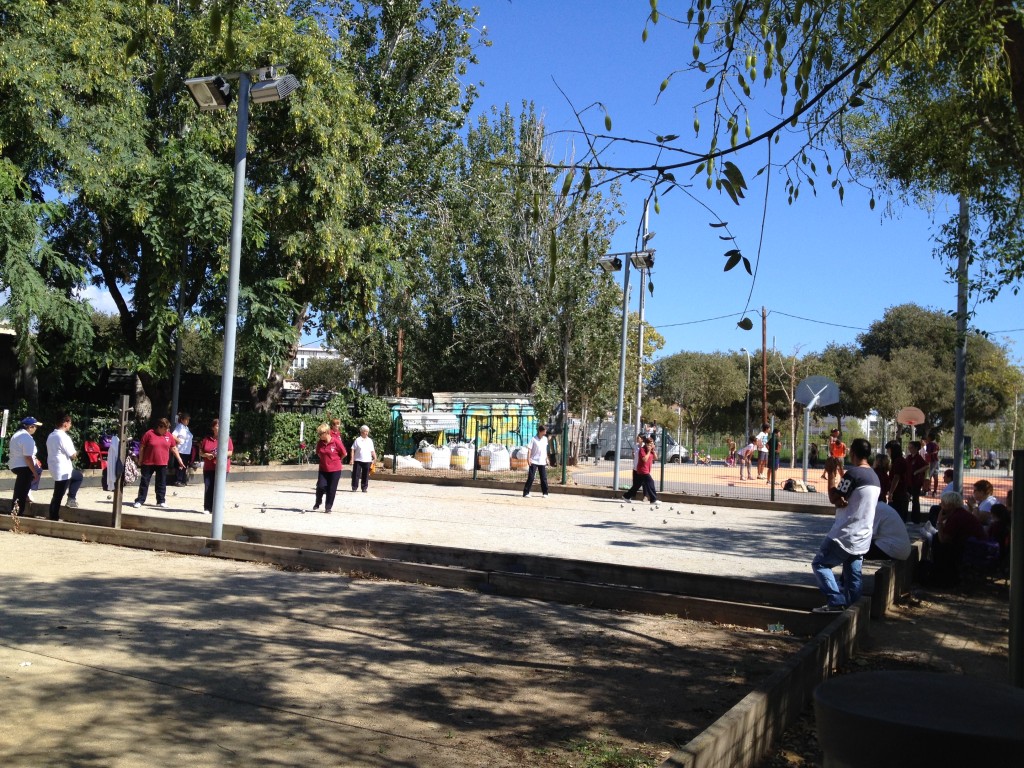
820 260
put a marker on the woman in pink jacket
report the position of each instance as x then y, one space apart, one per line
331 452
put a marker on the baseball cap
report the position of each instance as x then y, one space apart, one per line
30 421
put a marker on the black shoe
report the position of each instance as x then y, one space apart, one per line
829 609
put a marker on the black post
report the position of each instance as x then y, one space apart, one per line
664 454
1017 574
119 460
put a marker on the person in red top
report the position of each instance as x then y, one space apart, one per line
899 492
155 451
332 453
931 454
917 478
208 453
956 526
642 474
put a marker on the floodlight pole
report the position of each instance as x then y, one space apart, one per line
622 374
640 337
231 315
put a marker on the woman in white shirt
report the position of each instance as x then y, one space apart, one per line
60 454
363 456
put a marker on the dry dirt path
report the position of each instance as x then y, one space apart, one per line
116 657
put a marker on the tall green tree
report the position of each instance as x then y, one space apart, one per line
919 344
509 296
96 112
701 383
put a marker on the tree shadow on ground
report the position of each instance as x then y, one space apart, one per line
160 657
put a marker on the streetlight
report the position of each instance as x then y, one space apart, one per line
213 93
613 262
642 260
746 434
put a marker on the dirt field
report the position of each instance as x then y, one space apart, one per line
117 657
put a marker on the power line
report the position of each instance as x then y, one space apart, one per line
818 322
705 320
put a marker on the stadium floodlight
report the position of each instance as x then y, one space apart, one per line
610 263
642 259
210 93
273 89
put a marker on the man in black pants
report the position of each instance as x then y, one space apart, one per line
23 463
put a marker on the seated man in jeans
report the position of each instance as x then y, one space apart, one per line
854 492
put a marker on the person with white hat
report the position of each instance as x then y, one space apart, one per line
23 463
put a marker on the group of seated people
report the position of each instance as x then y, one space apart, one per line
959 528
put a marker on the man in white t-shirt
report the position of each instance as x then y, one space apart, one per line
23 463
363 456
761 442
854 492
60 456
889 537
538 462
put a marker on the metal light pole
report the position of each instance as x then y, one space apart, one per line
746 423
622 375
213 93
227 380
643 267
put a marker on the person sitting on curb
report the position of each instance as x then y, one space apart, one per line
854 492
956 525
889 537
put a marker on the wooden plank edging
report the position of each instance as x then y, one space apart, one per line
744 735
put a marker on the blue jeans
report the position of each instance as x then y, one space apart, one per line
829 556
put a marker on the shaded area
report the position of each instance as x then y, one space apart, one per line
149 658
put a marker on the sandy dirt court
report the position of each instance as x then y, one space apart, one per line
120 657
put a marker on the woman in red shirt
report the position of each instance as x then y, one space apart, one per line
331 452
208 453
642 474
155 451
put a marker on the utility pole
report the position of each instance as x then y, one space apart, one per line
398 371
960 383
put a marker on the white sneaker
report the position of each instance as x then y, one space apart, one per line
72 503
137 504
162 505
526 495
545 495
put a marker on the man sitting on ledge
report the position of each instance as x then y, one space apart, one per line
854 492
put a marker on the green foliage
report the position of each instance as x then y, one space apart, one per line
267 437
357 408
144 179
701 383
325 374
506 295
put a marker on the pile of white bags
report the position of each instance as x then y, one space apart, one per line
433 456
462 455
494 458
